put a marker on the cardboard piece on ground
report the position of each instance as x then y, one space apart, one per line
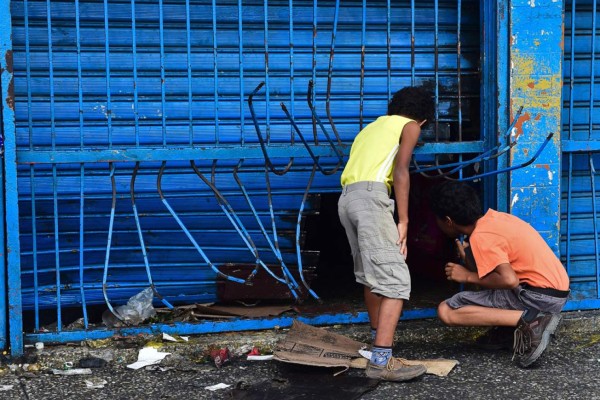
305 344
308 345
439 367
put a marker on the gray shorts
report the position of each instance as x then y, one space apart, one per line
367 214
518 298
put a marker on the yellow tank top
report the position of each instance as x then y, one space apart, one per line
374 151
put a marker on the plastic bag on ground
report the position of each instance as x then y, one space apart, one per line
138 309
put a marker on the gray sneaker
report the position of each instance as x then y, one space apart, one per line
395 371
531 339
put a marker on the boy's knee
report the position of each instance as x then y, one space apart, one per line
445 313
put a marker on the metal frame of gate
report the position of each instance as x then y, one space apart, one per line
53 156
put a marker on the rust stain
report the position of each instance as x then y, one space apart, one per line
519 125
531 85
562 38
545 166
9 61
545 105
10 100
537 117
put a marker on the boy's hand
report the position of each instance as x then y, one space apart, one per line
457 273
466 255
402 233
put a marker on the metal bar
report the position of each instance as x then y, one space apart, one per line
314 64
308 147
56 247
458 75
241 70
292 92
436 67
580 146
163 95
109 241
266 81
273 225
298 226
329 75
136 108
81 244
107 60
289 280
229 152
187 232
216 69
572 69
592 74
412 42
262 141
82 168
389 48
34 248
7 101
184 328
568 211
31 168
363 36
595 225
141 237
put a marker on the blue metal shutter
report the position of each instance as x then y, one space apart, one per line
97 90
581 153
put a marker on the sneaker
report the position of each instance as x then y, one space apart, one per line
395 371
496 338
531 339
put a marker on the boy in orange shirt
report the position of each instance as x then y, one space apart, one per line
526 284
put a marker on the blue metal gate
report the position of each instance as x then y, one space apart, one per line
178 144
580 239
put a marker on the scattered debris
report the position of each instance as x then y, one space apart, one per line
220 356
138 309
92 362
255 355
73 371
95 383
4 388
218 386
39 346
148 356
196 312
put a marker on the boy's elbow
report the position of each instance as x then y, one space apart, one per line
512 282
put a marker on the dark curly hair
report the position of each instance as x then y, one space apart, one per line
456 200
412 102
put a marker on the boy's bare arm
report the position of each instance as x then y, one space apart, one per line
502 277
408 141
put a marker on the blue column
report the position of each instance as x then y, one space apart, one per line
535 82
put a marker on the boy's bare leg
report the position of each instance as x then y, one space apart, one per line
389 314
478 316
373 302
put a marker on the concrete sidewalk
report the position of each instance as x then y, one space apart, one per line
570 368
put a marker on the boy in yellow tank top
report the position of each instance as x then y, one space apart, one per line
379 161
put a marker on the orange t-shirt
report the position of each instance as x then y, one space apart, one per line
500 238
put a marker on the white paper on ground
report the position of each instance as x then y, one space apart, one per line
95 383
260 358
4 388
168 337
74 371
218 386
148 356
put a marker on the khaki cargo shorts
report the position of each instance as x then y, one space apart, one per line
367 214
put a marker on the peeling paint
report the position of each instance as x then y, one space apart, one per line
531 85
519 125
9 61
537 117
531 3
536 42
514 200
10 100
